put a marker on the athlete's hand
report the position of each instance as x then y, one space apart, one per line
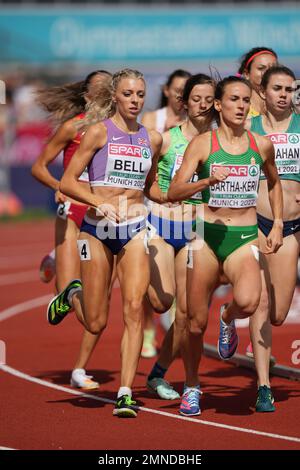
220 174
59 197
109 212
273 241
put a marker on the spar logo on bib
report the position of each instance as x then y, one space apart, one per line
146 153
127 150
293 139
278 138
235 170
253 170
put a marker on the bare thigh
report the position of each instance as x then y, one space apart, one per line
202 277
243 271
161 290
283 276
96 274
66 254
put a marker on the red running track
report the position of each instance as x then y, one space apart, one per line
34 416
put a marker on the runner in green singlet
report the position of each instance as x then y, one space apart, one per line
282 127
172 227
229 248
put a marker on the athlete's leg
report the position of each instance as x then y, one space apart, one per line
96 275
283 267
161 290
177 332
243 271
134 274
202 278
66 254
274 299
149 342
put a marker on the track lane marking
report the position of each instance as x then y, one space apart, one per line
29 378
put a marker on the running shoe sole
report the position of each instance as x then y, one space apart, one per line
125 413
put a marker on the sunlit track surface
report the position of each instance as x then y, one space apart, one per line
40 356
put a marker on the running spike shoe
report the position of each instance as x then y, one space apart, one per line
79 379
265 400
162 388
124 407
228 338
190 402
59 306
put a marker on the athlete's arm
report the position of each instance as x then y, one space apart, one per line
152 190
94 139
58 142
274 239
196 153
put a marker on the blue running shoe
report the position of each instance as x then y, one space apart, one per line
228 338
190 402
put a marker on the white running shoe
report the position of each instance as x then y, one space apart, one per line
79 379
162 388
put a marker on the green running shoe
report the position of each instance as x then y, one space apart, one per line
124 407
59 306
265 400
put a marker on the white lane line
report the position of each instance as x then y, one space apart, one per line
27 377
24 306
17 278
6 448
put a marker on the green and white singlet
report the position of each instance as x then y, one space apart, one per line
170 163
287 147
241 186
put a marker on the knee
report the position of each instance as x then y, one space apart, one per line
180 320
277 321
161 304
197 326
248 305
96 326
133 311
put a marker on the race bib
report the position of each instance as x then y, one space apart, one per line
63 210
238 190
127 166
287 152
194 178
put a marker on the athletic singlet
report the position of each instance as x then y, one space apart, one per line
241 186
287 147
161 117
124 161
171 162
71 148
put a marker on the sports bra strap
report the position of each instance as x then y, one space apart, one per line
215 146
253 144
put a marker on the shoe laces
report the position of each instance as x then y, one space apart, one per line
127 399
227 332
192 396
264 394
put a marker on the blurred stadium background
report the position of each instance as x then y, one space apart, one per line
44 43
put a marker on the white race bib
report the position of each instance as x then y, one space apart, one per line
238 190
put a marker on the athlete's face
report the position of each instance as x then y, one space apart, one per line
130 97
174 92
200 102
279 93
234 104
258 66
